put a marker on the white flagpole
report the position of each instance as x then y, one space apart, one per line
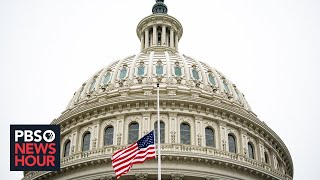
159 153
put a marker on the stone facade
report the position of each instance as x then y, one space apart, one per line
191 92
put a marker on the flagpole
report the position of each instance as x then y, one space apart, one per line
159 153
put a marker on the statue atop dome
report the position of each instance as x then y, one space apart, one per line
159 7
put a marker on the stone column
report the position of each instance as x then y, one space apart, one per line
176 41
198 131
76 147
243 142
260 151
173 128
146 38
163 35
177 176
223 137
171 38
95 134
154 34
120 130
146 123
142 41
273 159
74 141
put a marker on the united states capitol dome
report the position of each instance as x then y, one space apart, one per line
208 130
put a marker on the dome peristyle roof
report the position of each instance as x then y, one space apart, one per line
174 71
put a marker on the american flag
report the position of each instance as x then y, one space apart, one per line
143 149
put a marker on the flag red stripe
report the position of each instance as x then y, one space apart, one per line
123 160
121 151
138 156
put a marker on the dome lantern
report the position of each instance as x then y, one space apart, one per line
159 7
159 31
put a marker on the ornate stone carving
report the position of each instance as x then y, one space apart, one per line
94 143
147 93
199 139
119 138
141 176
72 149
173 137
171 93
124 94
194 95
177 176
149 81
224 144
169 80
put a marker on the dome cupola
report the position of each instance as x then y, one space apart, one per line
159 31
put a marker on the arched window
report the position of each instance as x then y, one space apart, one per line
92 85
250 150
106 78
86 141
133 132
162 126
226 87
123 72
211 79
266 157
177 71
66 149
232 143
185 133
79 95
209 137
159 69
140 70
195 74
108 136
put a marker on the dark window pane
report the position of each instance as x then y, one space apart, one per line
107 78
195 74
86 142
133 133
79 95
162 131
92 85
185 134
250 151
177 71
159 69
66 149
123 73
140 71
226 87
209 137
108 136
211 79
232 143
266 157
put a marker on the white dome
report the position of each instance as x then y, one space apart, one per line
181 73
208 128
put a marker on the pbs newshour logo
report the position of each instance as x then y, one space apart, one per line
34 147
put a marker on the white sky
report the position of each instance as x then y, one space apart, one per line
269 49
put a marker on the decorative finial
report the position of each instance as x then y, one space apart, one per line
159 7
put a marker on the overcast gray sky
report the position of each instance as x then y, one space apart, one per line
269 49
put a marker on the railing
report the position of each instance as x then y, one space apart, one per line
175 150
